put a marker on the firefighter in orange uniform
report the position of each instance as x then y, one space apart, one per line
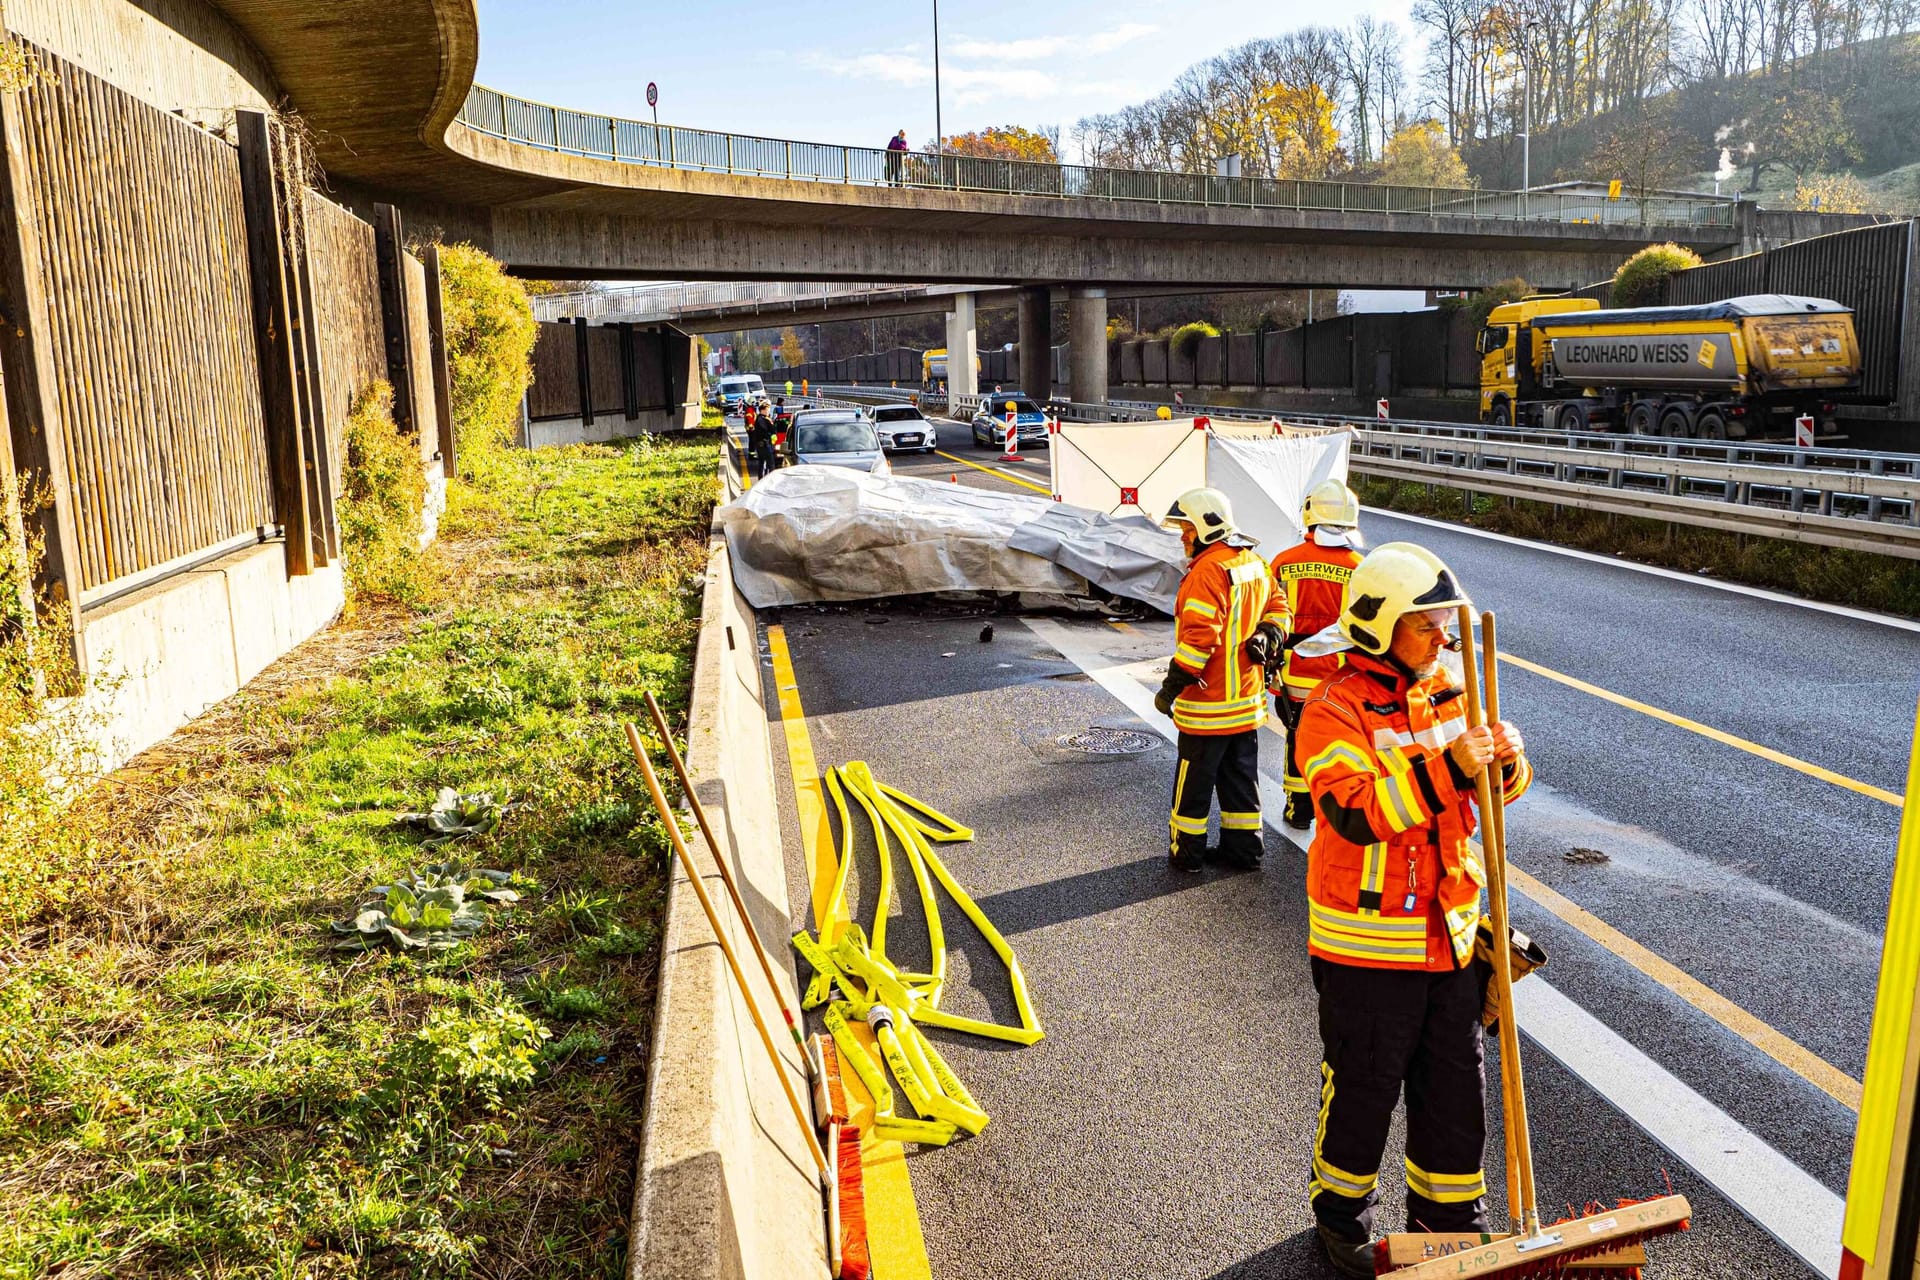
1393 892
1312 577
1230 623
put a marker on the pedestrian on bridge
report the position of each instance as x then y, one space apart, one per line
1393 900
1312 579
897 158
1230 621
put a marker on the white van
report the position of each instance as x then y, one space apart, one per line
732 389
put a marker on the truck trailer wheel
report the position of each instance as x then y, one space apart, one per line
1674 422
1570 418
1710 426
1643 419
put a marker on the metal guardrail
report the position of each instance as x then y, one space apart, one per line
642 142
1850 499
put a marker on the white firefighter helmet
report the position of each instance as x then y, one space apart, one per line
1207 510
1396 578
1331 502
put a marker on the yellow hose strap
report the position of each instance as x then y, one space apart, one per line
848 960
855 1055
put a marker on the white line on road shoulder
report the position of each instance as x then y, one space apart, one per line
1786 1202
1658 571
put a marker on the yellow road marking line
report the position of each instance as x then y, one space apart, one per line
1708 731
1783 1049
815 834
894 1238
995 471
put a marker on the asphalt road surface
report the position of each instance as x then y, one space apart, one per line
1703 1020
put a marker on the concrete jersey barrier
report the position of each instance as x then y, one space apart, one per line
726 1189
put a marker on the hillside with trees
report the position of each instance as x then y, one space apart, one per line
1791 100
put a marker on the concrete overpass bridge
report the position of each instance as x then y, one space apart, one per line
386 88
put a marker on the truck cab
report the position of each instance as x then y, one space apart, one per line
1509 365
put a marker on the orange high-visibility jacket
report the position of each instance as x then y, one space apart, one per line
1227 593
1313 581
1391 881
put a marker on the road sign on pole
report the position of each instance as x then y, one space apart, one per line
1803 431
653 101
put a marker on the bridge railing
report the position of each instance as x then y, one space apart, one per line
641 142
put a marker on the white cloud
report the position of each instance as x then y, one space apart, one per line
1039 47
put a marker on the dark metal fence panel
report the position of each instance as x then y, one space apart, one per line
1330 353
1283 358
1716 280
144 250
607 371
1207 366
1423 351
556 373
1242 369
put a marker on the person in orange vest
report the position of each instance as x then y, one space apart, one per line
1229 623
1312 577
1393 900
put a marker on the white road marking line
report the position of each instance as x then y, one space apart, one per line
1782 1198
1658 571
1788 1203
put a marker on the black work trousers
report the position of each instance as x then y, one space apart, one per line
1382 1029
1226 764
1287 709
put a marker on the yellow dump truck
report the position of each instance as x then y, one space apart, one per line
1742 368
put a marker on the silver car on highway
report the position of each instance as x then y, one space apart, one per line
836 438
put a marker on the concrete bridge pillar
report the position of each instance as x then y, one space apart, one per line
1036 341
963 348
1087 349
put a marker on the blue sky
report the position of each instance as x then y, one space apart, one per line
855 72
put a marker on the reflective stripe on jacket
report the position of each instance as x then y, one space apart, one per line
1227 593
1391 880
1313 581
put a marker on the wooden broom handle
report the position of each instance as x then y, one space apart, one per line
726 948
1512 1078
726 872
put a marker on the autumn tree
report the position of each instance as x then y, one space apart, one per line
1417 155
1302 119
791 350
1833 193
1799 130
1007 142
1643 154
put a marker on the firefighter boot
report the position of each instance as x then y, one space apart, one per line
1349 1257
1299 810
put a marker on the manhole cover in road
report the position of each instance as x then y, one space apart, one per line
1108 742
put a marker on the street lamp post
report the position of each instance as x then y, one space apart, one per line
1526 113
939 137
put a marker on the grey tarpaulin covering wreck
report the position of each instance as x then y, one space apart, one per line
827 533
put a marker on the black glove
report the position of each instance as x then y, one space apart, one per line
1265 646
1178 678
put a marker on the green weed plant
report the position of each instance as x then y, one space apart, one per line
193 1082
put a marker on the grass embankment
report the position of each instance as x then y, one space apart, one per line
194 1082
1887 584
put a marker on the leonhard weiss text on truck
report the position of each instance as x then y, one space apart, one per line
1738 369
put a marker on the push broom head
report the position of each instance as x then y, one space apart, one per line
1595 1244
850 1197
